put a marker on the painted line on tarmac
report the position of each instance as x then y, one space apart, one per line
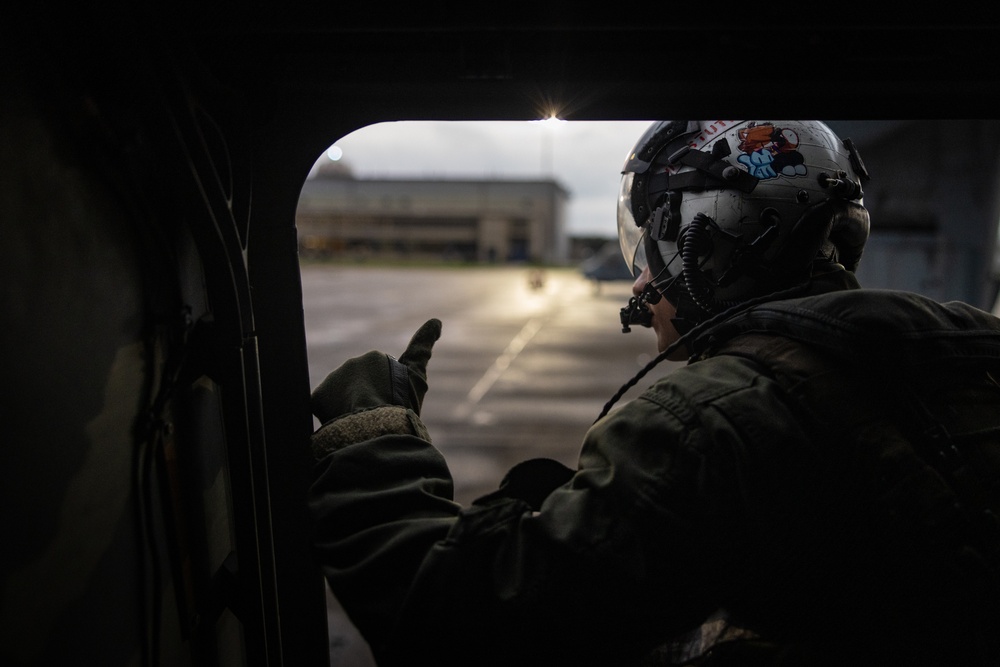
501 364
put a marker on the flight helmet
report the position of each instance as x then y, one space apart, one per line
725 211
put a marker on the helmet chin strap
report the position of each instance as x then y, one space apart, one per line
688 314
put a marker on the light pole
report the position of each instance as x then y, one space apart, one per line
548 145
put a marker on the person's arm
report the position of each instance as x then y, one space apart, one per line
618 559
379 507
381 494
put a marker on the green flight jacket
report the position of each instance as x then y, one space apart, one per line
765 479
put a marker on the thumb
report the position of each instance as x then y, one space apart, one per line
418 352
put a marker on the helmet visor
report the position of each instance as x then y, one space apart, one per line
630 235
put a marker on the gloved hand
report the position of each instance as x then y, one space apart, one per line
376 378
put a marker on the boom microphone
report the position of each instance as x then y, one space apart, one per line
637 311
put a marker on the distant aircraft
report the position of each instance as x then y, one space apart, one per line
605 265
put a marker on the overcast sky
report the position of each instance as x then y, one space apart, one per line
585 157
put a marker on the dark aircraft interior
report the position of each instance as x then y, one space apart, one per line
155 382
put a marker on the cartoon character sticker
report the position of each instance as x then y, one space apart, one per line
769 151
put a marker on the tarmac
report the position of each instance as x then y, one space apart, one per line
521 370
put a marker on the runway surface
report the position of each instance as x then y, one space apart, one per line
518 372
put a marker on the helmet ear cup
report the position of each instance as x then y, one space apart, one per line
849 232
804 241
842 223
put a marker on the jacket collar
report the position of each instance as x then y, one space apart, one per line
862 325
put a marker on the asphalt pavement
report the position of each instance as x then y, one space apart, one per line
519 371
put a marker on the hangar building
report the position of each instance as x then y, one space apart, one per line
418 219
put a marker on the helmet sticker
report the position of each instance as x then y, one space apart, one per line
710 130
769 151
